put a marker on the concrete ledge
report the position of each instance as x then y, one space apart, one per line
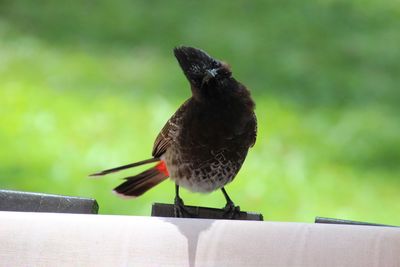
51 239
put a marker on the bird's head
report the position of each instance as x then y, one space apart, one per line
203 72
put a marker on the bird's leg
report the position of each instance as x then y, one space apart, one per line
230 210
179 207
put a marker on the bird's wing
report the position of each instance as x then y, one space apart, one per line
169 132
253 129
246 133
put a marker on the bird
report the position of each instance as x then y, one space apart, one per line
204 144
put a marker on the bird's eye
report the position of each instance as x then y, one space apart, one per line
223 72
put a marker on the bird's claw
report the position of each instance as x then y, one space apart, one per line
231 211
180 210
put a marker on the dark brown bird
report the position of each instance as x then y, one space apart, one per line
204 144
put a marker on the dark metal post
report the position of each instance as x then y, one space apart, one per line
38 202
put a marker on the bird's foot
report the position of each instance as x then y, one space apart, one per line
180 210
231 211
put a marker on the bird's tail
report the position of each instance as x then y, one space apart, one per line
137 185
116 169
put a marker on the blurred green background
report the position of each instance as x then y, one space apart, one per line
87 85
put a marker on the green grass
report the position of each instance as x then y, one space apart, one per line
85 87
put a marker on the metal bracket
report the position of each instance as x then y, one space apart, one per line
340 221
167 210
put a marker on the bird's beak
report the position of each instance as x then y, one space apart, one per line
209 75
196 63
